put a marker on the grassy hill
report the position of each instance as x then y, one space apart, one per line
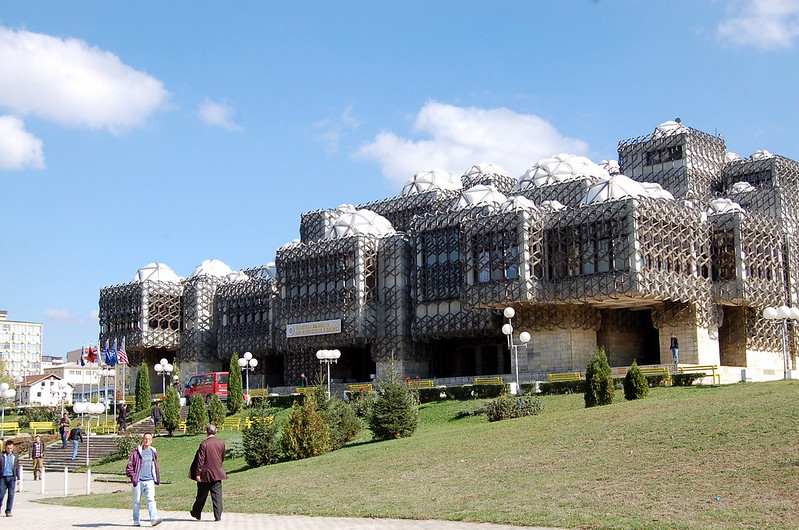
697 457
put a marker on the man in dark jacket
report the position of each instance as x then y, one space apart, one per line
76 436
9 475
37 457
157 414
142 469
207 471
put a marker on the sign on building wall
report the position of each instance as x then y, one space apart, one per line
308 329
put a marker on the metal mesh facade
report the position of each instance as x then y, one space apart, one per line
623 272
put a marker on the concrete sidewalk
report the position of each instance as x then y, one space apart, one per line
33 515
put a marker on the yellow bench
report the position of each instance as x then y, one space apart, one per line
107 427
421 383
304 390
231 424
254 420
259 392
130 400
361 387
658 370
488 380
42 426
182 426
559 378
703 368
10 426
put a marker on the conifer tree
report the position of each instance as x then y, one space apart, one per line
198 416
235 393
635 384
216 411
142 388
306 433
171 409
598 380
395 411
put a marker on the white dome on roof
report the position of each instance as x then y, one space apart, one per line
237 276
211 267
761 154
517 203
616 187
668 127
480 195
611 166
485 168
560 168
292 243
359 222
718 206
434 179
742 186
653 189
156 272
553 205
731 157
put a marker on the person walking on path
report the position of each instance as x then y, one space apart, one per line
122 418
675 348
37 456
142 469
63 430
76 436
157 414
10 471
207 470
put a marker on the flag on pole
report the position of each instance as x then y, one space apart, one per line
91 355
111 358
123 355
83 355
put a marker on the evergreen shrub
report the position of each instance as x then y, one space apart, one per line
142 388
507 407
636 385
686 379
126 443
235 390
261 441
197 419
171 410
216 411
395 412
599 384
306 433
344 424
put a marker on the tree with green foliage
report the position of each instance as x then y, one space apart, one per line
216 411
142 388
636 385
235 392
306 433
395 411
197 419
171 410
598 380
261 440
340 416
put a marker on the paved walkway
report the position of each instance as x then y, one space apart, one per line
34 515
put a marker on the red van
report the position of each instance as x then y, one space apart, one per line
207 385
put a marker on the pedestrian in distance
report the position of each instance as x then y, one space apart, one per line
157 414
122 418
37 457
142 469
207 470
10 474
63 429
76 437
303 380
674 345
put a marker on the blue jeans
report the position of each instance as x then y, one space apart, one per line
64 440
675 353
10 484
75 444
146 487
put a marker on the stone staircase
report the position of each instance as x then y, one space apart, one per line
56 458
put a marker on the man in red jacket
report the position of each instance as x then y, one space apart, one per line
142 469
207 471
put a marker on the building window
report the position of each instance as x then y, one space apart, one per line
661 156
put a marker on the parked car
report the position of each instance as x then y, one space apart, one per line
207 385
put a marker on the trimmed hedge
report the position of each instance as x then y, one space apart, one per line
686 379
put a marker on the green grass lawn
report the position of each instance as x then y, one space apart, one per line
695 457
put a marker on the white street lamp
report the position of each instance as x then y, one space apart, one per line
61 393
6 393
524 338
328 357
89 410
163 368
248 364
105 373
782 313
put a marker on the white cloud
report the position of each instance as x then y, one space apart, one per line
333 130
218 115
71 83
764 24
461 137
65 316
19 149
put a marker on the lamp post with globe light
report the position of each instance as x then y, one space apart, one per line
524 338
164 369
105 373
783 314
328 357
6 393
247 363
89 410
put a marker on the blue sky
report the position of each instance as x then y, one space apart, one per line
133 132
